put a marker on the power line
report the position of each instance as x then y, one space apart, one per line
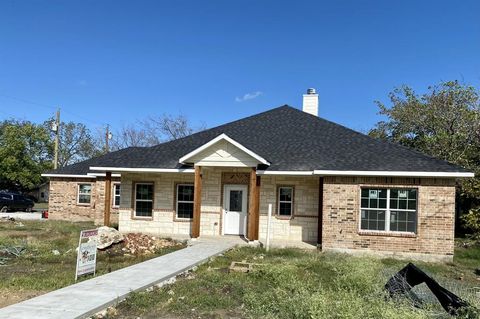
26 101
89 121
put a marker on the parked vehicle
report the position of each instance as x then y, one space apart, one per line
13 201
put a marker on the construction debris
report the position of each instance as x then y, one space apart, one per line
241 266
401 284
8 219
139 244
107 236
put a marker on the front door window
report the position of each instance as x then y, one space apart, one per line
236 200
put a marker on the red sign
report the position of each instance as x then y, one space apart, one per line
89 233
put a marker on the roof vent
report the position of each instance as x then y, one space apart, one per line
310 102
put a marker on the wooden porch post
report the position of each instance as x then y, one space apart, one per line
197 202
320 213
108 198
253 206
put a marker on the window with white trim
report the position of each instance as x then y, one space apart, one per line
184 205
116 195
143 199
285 201
84 195
393 210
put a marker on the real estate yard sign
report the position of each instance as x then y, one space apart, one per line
87 253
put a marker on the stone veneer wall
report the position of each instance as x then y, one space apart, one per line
163 217
434 239
163 221
62 204
303 225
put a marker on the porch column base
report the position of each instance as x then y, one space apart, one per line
254 243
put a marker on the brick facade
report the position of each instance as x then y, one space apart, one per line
62 204
434 239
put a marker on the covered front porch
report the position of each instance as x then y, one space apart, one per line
225 201
218 191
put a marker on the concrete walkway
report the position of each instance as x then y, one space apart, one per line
91 296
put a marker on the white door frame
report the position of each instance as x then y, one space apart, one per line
226 190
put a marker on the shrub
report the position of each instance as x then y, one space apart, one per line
472 221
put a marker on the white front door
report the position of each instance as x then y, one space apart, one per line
235 209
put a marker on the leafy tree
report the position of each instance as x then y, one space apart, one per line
75 144
25 153
444 123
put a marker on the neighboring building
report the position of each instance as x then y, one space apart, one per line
40 193
327 184
77 194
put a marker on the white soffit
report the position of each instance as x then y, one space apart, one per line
102 174
143 170
68 175
393 173
291 173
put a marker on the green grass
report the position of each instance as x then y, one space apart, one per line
290 283
40 206
38 270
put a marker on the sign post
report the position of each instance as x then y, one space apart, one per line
87 253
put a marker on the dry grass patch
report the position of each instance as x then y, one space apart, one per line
39 270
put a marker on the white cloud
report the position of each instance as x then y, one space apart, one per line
248 96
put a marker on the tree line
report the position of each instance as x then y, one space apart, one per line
27 148
443 122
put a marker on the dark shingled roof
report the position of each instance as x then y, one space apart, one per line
290 139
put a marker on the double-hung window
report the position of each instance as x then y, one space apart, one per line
184 205
392 210
143 199
285 201
116 195
84 195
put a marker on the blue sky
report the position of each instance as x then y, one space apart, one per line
117 61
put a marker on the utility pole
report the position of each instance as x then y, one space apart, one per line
108 136
56 129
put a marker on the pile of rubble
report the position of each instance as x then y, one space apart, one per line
141 244
113 242
107 236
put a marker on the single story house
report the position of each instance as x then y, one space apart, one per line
77 194
327 184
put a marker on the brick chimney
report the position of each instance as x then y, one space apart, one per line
310 102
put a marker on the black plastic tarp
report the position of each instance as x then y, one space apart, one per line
410 276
